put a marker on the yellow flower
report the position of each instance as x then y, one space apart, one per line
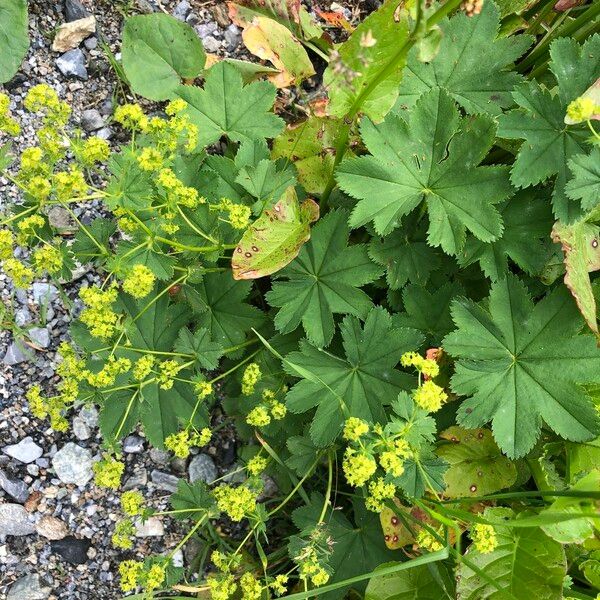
278 410
168 179
239 215
7 123
155 577
179 443
94 150
236 502
202 438
222 587
258 417
355 428
176 106
98 315
250 586
408 359
167 370
429 367
143 367
428 541
484 538
70 184
132 503
203 389
392 463
139 281
131 116
250 378
31 161
21 275
39 187
37 404
430 396
278 585
108 472
47 258
6 244
130 571
379 491
582 109
121 538
358 467
150 159
256 465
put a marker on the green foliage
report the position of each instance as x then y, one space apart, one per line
158 52
14 37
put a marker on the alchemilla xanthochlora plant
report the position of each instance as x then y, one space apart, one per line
392 301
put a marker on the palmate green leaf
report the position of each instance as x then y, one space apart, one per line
585 184
580 243
472 64
526 238
193 498
267 181
522 365
477 466
432 156
424 582
358 385
358 547
226 107
199 344
539 120
422 472
303 454
220 307
129 187
428 312
130 253
416 424
158 52
14 37
362 65
526 564
323 280
93 243
275 238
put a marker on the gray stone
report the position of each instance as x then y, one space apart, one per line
81 429
206 29
137 480
16 489
91 120
90 415
39 336
43 293
51 528
33 470
25 451
159 457
105 133
74 11
15 354
151 527
182 10
21 295
60 218
22 316
73 464
177 558
28 588
72 64
202 468
211 44
133 444
14 520
164 481
42 463
91 43
232 37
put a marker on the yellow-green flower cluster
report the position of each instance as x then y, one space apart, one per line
310 568
250 378
47 258
250 587
132 503
256 465
48 407
180 443
131 116
430 396
393 457
484 538
39 187
239 214
355 428
109 372
150 159
143 367
69 184
130 571
236 502
6 244
108 473
94 150
582 109
121 537
428 541
167 371
279 585
203 389
427 366
42 98
7 123
155 577
379 492
221 586
32 162
20 273
27 228
177 192
269 409
139 282
98 315
358 467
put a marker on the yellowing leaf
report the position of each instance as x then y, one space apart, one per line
275 238
271 41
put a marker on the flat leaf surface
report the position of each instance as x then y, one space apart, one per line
526 564
477 467
357 385
521 364
158 52
199 344
419 583
585 183
473 64
275 238
433 155
323 280
226 107
14 37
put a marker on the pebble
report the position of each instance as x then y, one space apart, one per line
151 527
14 520
159 457
70 35
91 120
91 43
51 528
105 133
72 64
81 429
16 489
211 44
73 464
39 336
232 37
202 468
74 10
90 415
137 480
43 292
133 444
15 354
71 549
164 481
25 451
22 316
28 587
182 10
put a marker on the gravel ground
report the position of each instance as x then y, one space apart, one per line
55 525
